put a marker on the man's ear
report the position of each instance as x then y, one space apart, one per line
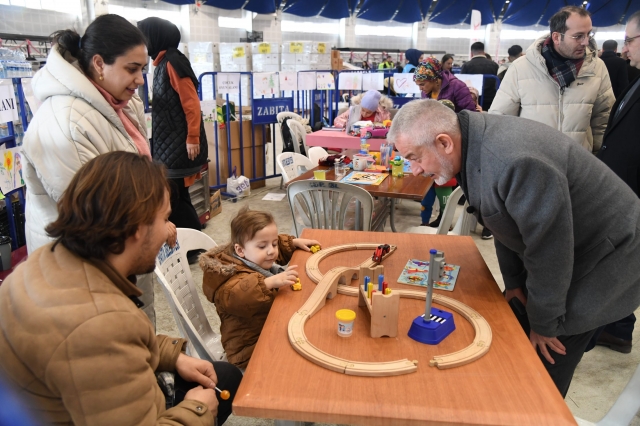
444 143
239 250
555 37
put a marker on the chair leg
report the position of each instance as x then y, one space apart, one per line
281 182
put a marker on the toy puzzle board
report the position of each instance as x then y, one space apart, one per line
416 272
363 178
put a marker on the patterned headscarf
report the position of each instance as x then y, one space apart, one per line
428 69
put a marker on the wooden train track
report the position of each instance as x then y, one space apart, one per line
328 286
327 289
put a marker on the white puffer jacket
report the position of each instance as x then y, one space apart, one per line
581 112
73 125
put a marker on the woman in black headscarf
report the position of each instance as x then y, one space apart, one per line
413 59
178 132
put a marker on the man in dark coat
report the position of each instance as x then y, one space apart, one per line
479 64
566 228
621 152
616 66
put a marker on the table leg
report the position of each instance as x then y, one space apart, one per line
392 215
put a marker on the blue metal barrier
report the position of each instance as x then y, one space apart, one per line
11 142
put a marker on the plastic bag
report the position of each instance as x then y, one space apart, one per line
238 186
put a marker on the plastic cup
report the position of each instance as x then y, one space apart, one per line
320 174
345 317
340 170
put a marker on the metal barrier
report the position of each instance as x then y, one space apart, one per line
264 111
10 141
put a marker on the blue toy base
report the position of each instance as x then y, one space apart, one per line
434 331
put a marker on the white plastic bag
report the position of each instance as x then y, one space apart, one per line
238 186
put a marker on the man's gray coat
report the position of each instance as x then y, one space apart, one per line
565 225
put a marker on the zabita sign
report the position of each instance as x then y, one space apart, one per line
8 106
265 111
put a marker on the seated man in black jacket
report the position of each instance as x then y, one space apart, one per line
479 64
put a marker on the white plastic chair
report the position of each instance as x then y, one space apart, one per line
299 135
174 275
325 205
286 115
624 409
317 153
447 218
290 165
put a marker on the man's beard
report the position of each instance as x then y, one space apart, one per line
446 170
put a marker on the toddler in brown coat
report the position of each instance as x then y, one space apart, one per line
241 278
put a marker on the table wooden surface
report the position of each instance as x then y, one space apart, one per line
335 139
508 386
409 187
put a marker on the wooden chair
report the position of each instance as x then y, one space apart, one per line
327 205
174 275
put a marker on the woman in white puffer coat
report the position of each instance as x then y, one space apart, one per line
89 107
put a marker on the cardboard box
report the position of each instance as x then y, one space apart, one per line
215 203
246 153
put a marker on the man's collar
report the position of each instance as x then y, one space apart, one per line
479 55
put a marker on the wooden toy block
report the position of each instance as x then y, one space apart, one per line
383 310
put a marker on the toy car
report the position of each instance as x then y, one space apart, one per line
376 132
297 286
380 252
314 249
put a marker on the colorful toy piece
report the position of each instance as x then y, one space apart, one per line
314 249
386 123
376 132
297 286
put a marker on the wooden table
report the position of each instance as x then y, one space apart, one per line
408 187
335 139
508 386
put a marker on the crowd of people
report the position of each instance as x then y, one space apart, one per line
551 171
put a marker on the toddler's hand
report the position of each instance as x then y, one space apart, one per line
304 244
287 277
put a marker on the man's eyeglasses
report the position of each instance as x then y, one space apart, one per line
628 41
580 37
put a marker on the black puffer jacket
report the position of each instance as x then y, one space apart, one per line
170 129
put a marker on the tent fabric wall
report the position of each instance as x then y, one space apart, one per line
520 13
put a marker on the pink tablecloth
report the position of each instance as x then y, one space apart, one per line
333 139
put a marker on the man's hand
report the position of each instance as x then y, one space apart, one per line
517 293
172 234
196 370
287 277
304 244
206 396
193 150
539 341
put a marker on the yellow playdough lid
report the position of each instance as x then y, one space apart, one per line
345 315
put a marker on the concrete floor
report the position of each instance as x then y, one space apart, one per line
597 382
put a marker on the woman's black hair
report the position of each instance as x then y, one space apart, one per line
445 58
109 36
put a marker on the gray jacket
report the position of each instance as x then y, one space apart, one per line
565 225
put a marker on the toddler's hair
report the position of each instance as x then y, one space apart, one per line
247 224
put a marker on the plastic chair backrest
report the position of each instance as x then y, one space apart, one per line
290 164
317 153
299 135
450 211
174 275
325 203
286 114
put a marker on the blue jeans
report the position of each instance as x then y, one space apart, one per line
427 205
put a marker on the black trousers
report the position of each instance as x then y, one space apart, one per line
229 377
183 214
565 365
